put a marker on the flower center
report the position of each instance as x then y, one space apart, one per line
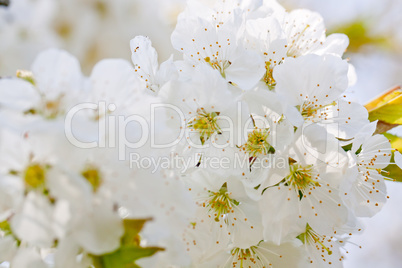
93 177
52 108
246 258
257 143
34 176
310 237
205 124
296 45
311 109
219 65
268 77
220 204
308 111
300 177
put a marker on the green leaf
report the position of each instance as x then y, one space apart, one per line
132 228
130 249
394 172
359 35
396 141
387 109
391 95
347 147
389 113
126 256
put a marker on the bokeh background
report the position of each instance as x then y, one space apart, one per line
96 29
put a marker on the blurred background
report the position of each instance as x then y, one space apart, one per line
96 29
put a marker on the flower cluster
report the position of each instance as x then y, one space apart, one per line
245 153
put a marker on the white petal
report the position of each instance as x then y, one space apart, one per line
33 222
28 258
334 44
398 159
247 230
66 254
8 248
288 254
18 94
352 75
11 195
145 60
313 78
365 133
246 70
57 72
279 207
362 197
345 120
305 32
144 55
375 153
167 71
100 231
114 81
323 209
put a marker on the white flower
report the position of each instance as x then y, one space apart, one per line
145 60
170 207
28 206
262 255
322 250
364 191
84 202
265 254
55 85
206 246
266 36
312 86
268 136
58 79
215 41
305 32
225 202
255 113
309 192
311 83
207 112
277 35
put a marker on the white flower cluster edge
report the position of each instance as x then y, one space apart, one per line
245 153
